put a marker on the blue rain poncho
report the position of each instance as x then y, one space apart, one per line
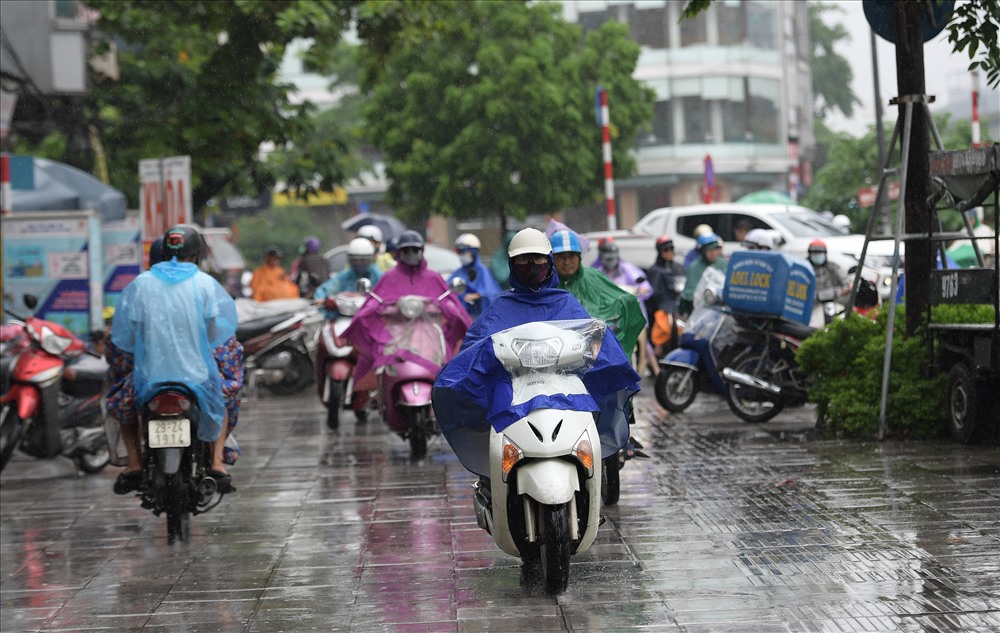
478 279
474 392
172 317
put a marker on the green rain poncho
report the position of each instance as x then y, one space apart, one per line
604 300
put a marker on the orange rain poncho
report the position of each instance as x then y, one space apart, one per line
271 282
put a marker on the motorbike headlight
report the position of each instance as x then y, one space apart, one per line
511 454
584 452
535 354
411 306
53 343
349 306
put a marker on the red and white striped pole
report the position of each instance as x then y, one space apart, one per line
609 178
975 109
7 204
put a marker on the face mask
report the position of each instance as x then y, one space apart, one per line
411 257
360 266
610 262
532 274
818 259
467 258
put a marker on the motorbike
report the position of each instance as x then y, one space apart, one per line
336 359
175 475
543 500
416 351
51 397
766 378
279 339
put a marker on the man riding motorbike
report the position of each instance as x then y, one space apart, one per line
466 387
665 276
175 323
481 287
709 256
310 269
360 260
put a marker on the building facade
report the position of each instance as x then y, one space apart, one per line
733 84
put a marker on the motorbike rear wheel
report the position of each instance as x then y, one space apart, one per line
11 430
555 547
675 387
92 462
298 375
753 405
178 516
611 483
420 422
334 404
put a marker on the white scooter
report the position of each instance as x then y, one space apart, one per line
544 498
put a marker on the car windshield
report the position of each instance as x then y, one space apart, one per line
805 224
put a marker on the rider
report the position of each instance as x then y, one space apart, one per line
309 269
360 254
175 323
830 279
466 385
632 279
664 275
411 276
709 256
269 281
384 261
481 287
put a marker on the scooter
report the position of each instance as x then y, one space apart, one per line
51 398
415 353
279 348
543 498
335 361
175 472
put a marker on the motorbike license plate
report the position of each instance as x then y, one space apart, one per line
170 433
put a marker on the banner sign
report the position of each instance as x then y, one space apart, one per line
122 256
57 258
164 196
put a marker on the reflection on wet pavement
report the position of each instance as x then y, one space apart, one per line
729 527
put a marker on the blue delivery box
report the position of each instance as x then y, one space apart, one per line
773 284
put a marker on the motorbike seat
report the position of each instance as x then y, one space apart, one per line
791 328
256 327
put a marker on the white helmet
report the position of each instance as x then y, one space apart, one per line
360 247
702 229
466 241
371 231
759 238
529 241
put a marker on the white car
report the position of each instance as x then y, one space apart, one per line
793 228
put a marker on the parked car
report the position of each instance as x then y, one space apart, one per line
224 261
793 228
442 260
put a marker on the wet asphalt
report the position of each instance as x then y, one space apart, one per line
726 527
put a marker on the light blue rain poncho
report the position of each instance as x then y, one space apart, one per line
172 317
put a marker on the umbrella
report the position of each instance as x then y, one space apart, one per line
62 187
390 226
766 196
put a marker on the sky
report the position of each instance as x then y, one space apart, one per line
944 70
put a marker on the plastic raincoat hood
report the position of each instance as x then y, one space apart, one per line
604 300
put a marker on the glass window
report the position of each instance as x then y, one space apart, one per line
762 25
732 23
592 20
694 31
764 109
663 122
649 27
697 123
734 122
687 223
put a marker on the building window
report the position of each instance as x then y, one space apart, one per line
765 107
697 120
648 27
694 31
732 23
65 9
762 25
734 122
663 122
592 20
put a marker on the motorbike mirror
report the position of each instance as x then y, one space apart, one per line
458 285
364 285
30 301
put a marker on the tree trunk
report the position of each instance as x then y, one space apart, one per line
910 83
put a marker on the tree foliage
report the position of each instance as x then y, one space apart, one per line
975 24
488 108
831 73
198 78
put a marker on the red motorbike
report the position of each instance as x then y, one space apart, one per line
335 361
51 397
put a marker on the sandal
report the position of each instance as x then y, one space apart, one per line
223 481
128 481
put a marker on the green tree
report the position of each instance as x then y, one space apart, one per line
831 73
488 108
198 79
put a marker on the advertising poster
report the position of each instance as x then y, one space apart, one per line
57 258
122 256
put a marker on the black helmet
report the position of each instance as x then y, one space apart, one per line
410 238
182 241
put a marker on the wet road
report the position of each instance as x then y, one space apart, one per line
728 527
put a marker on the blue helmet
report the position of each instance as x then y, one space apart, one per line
709 240
565 242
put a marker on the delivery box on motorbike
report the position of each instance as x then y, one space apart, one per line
772 284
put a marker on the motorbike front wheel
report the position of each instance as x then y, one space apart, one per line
420 422
555 547
753 405
675 387
94 461
611 483
334 404
11 430
178 516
